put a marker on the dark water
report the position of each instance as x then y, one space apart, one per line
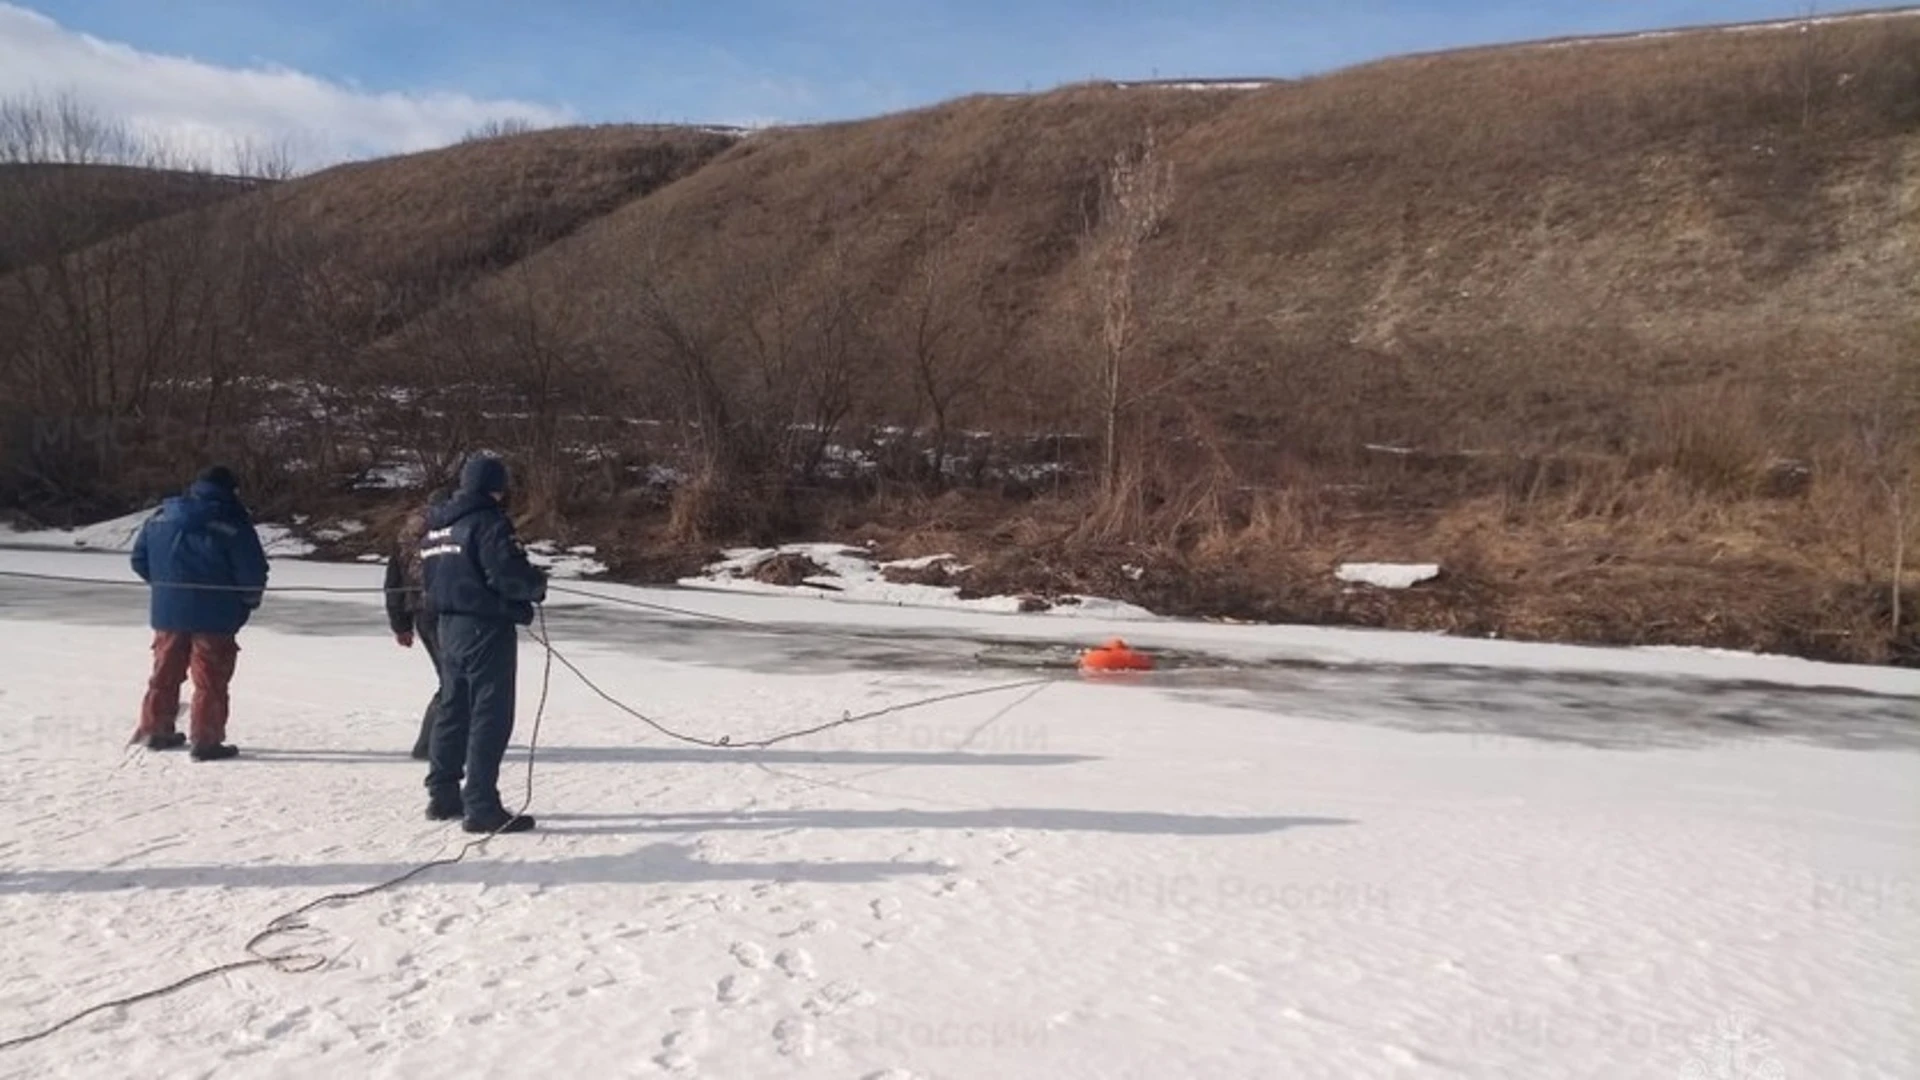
1615 712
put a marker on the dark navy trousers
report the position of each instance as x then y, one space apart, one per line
426 628
479 664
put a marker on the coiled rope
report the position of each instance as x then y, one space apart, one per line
304 960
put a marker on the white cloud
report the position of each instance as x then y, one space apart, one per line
204 110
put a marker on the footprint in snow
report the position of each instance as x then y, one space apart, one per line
674 1060
288 1023
749 955
678 1047
888 939
955 886
885 908
835 996
810 928
737 988
797 963
794 1037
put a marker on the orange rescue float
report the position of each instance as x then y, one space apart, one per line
1115 655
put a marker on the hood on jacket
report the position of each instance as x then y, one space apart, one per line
203 501
219 476
459 506
212 492
483 474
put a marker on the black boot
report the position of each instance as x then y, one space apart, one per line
502 822
444 807
213 751
172 740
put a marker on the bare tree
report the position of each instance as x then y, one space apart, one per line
273 159
835 364
1136 193
946 364
63 130
130 297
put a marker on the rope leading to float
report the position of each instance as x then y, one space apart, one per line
299 961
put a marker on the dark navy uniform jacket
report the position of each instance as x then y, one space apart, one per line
474 564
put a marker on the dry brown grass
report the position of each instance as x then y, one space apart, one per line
441 218
48 210
1631 308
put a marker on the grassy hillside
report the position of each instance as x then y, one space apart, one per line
179 332
1624 334
1518 247
49 210
427 223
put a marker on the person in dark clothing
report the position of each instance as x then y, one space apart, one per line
207 572
483 587
409 614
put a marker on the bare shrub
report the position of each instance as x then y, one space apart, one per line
499 127
1714 437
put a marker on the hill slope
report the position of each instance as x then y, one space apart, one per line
1626 334
49 210
1518 246
292 279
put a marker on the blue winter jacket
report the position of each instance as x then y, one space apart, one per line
474 564
205 537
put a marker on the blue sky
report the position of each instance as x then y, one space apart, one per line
723 60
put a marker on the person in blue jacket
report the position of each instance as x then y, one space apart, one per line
479 580
206 571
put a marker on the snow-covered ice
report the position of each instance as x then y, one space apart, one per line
1384 868
1149 879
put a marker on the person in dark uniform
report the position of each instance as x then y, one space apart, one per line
483 588
409 615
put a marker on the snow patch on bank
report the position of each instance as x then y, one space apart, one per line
393 476
856 576
1387 575
335 533
118 535
575 562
